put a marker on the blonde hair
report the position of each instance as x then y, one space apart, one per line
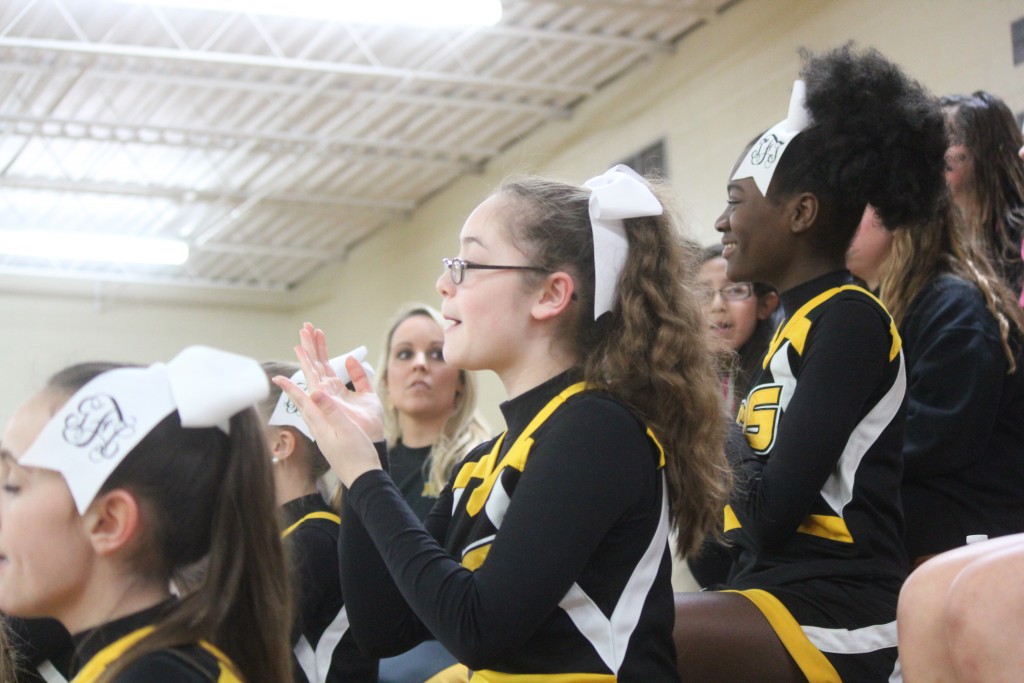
652 352
921 253
463 429
7 669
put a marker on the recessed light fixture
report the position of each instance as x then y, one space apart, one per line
415 12
79 246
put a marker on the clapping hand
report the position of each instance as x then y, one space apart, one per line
345 423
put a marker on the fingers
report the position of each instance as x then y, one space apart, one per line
309 369
293 391
357 373
320 344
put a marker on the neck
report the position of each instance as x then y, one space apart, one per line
805 270
111 597
417 432
534 369
290 484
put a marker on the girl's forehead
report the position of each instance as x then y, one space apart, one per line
27 422
485 225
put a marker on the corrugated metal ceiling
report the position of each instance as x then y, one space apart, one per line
272 145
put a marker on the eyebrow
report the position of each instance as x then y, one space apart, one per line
470 239
734 186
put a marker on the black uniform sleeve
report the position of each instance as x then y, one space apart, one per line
711 564
839 373
956 367
380 620
582 476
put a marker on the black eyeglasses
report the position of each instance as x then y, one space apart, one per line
456 268
734 292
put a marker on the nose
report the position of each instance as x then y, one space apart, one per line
722 222
717 302
419 359
444 285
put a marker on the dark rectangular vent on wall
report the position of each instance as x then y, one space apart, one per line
1017 38
650 161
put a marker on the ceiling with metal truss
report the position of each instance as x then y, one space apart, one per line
274 145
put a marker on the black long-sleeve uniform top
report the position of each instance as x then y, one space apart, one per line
320 633
519 556
819 492
964 447
188 664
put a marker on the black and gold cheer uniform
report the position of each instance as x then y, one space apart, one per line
816 518
324 650
546 558
100 647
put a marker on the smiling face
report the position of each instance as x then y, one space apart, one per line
44 550
419 382
731 321
489 311
758 244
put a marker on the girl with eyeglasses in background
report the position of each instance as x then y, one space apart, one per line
547 552
742 315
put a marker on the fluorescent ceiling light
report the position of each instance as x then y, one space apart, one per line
416 12
77 246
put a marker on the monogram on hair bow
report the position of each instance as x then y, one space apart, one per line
763 158
286 413
619 193
104 420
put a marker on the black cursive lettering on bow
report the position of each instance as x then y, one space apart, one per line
98 425
289 406
766 152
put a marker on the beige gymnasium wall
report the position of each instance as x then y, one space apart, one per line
726 82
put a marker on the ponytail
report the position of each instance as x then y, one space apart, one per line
207 496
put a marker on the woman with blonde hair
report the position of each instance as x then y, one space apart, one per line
430 417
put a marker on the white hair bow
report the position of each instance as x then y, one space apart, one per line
104 420
763 158
619 193
286 413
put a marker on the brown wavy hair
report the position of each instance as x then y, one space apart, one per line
205 495
923 252
985 125
651 351
7 669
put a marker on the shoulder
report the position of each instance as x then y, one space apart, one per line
949 301
852 315
180 665
597 422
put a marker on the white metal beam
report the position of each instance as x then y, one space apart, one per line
185 194
274 63
224 138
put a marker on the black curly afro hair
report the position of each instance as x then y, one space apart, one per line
877 137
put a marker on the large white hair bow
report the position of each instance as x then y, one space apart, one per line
619 193
763 158
104 420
